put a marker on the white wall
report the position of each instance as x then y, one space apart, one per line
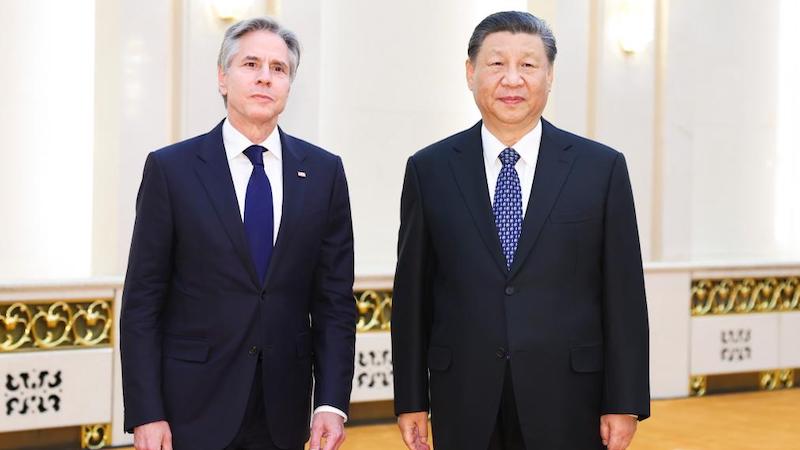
721 131
46 138
376 83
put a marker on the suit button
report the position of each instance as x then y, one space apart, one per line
510 290
253 351
263 296
501 353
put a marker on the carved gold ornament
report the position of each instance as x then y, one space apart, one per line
26 326
374 310
95 436
743 296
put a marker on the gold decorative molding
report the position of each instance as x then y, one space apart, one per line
374 310
95 436
776 379
768 380
56 324
745 296
698 385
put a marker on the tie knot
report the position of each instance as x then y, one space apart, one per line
509 157
255 153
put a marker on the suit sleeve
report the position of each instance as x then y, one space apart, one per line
411 300
625 324
144 295
333 310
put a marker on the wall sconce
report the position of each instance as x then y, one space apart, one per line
231 10
632 24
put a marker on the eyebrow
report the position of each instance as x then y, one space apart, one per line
496 52
257 59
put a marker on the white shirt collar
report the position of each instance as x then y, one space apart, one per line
236 143
527 146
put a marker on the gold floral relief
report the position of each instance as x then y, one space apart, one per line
698 384
29 326
374 310
746 295
95 436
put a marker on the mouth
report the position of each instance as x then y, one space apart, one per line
262 98
512 99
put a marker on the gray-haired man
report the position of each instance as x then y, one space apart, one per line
239 284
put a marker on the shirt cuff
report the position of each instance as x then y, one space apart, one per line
326 408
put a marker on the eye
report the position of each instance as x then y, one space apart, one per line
250 64
278 68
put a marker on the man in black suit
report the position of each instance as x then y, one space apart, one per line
519 315
240 278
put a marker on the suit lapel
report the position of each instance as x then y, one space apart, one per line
552 167
294 187
215 174
470 173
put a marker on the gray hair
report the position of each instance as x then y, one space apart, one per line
230 44
514 22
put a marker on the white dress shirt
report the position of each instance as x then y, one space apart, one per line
235 144
528 149
241 168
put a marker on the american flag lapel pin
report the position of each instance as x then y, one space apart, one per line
301 174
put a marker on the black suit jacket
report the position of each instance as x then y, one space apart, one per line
195 316
569 318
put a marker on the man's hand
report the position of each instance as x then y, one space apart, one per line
617 430
152 436
327 425
414 429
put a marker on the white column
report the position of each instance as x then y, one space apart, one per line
136 59
46 124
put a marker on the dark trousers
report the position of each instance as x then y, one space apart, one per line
253 434
507 434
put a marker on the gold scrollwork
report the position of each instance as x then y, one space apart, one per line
374 310
95 436
776 379
17 323
56 324
698 385
788 294
747 295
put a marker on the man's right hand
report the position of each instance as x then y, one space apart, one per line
414 429
152 436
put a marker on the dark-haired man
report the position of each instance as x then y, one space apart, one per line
519 316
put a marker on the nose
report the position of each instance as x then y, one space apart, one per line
264 76
512 77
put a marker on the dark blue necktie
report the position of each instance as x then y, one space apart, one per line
507 206
258 216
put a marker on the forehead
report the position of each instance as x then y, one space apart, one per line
505 42
262 44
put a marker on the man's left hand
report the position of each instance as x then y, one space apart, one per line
617 430
329 426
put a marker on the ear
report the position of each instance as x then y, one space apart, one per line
222 81
470 69
550 76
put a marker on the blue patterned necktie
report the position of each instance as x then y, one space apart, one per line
258 214
507 206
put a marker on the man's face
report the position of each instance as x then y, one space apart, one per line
510 80
257 82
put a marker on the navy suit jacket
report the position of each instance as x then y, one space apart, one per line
569 319
195 316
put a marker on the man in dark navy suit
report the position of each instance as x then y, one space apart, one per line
519 316
240 278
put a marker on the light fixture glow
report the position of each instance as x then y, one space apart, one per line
231 10
631 24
